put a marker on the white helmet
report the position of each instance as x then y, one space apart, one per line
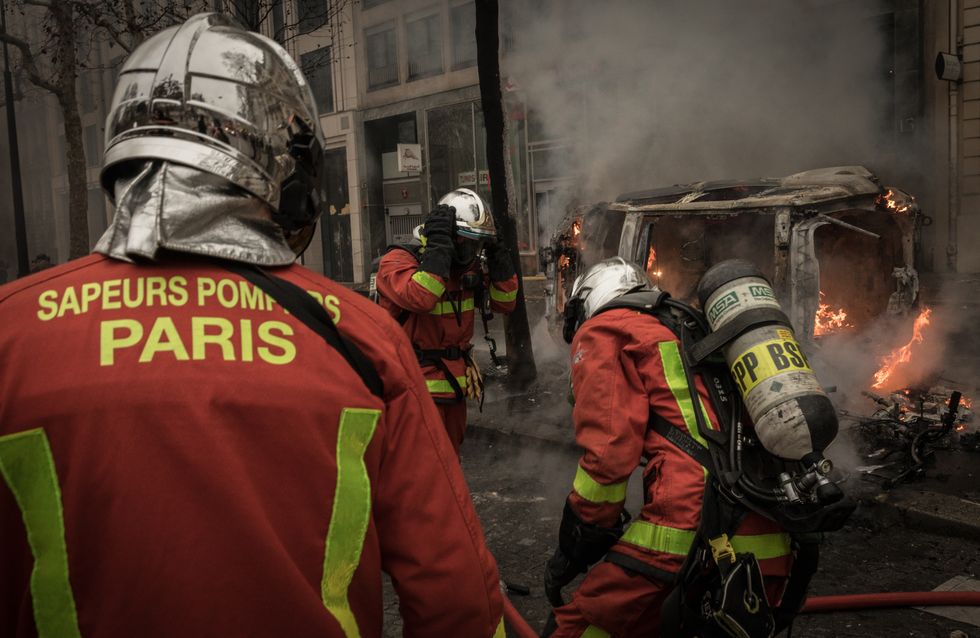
473 217
605 281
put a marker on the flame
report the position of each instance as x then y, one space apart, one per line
652 263
827 320
576 229
966 403
901 355
889 202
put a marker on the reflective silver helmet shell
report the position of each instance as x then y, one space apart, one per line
210 95
605 281
474 219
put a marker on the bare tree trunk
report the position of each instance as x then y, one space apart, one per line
520 355
67 70
78 239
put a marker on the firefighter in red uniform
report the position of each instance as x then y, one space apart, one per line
433 290
626 365
178 455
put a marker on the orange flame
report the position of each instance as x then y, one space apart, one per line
889 202
827 320
576 228
901 355
652 263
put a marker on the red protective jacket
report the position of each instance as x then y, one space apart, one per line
625 363
440 313
180 457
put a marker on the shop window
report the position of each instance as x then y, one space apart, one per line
452 159
312 14
316 68
424 47
93 145
382 58
463 20
336 233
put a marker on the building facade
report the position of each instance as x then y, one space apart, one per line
400 76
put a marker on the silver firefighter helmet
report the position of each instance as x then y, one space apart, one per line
605 281
474 219
208 94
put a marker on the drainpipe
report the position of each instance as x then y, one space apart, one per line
955 45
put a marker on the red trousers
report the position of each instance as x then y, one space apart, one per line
623 605
454 418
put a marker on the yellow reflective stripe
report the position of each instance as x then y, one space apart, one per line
500 632
28 468
441 385
450 307
591 490
429 282
501 296
671 540
594 632
763 545
659 538
670 354
350 515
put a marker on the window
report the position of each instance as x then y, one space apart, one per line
278 22
312 14
92 143
247 12
96 213
382 58
463 20
88 84
424 47
316 68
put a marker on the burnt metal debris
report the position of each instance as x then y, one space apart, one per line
899 439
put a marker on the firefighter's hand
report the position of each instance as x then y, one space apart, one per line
439 250
500 263
559 571
441 221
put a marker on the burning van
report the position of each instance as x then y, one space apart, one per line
838 246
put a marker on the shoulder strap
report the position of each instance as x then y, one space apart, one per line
302 306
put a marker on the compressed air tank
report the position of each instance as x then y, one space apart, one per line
792 414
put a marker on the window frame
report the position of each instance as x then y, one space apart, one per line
432 14
377 30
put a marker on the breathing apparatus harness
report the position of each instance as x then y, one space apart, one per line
437 357
719 592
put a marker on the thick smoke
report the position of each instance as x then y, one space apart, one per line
672 91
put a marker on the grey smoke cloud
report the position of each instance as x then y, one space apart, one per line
660 92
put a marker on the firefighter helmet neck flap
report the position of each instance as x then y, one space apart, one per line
597 286
212 147
474 224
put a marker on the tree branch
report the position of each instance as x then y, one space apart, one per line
27 62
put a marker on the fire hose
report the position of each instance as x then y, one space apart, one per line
823 604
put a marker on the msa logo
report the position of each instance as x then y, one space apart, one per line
720 306
761 292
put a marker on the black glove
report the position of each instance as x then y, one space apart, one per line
580 544
557 573
499 262
439 249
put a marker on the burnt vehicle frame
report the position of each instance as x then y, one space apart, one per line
829 235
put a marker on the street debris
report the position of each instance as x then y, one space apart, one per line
908 426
